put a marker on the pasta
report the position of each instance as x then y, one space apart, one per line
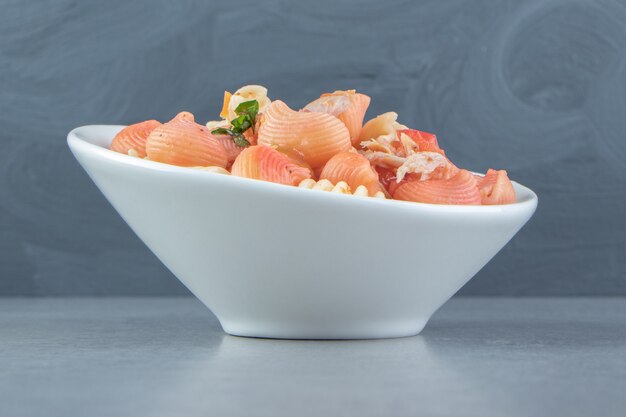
232 150
224 114
380 132
325 146
496 188
229 110
183 142
315 136
348 106
245 93
340 188
354 169
460 189
264 163
132 139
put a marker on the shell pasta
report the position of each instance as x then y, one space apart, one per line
183 142
315 136
325 146
132 139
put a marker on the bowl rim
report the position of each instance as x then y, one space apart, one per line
82 140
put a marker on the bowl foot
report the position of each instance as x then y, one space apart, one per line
326 331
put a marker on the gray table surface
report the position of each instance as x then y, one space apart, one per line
169 357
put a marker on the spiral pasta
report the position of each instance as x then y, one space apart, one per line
340 188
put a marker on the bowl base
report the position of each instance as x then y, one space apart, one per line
300 331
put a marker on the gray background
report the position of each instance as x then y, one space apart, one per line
537 87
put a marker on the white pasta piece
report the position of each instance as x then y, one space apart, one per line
323 185
215 124
308 183
132 152
378 133
340 188
213 169
247 93
361 191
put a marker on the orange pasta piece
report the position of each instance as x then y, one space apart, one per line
232 150
354 169
460 189
496 188
315 136
224 111
348 106
264 163
134 137
183 142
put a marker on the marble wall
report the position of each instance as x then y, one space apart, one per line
537 87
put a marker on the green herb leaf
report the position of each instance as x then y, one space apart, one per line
241 123
248 107
223 131
246 115
241 141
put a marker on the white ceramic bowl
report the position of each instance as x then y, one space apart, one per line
276 261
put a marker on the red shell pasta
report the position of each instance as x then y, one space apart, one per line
315 136
460 189
354 169
496 188
348 106
264 163
326 146
183 142
133 138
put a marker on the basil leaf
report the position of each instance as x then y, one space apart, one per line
222 131
241 123
248 107
240 141
246 114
